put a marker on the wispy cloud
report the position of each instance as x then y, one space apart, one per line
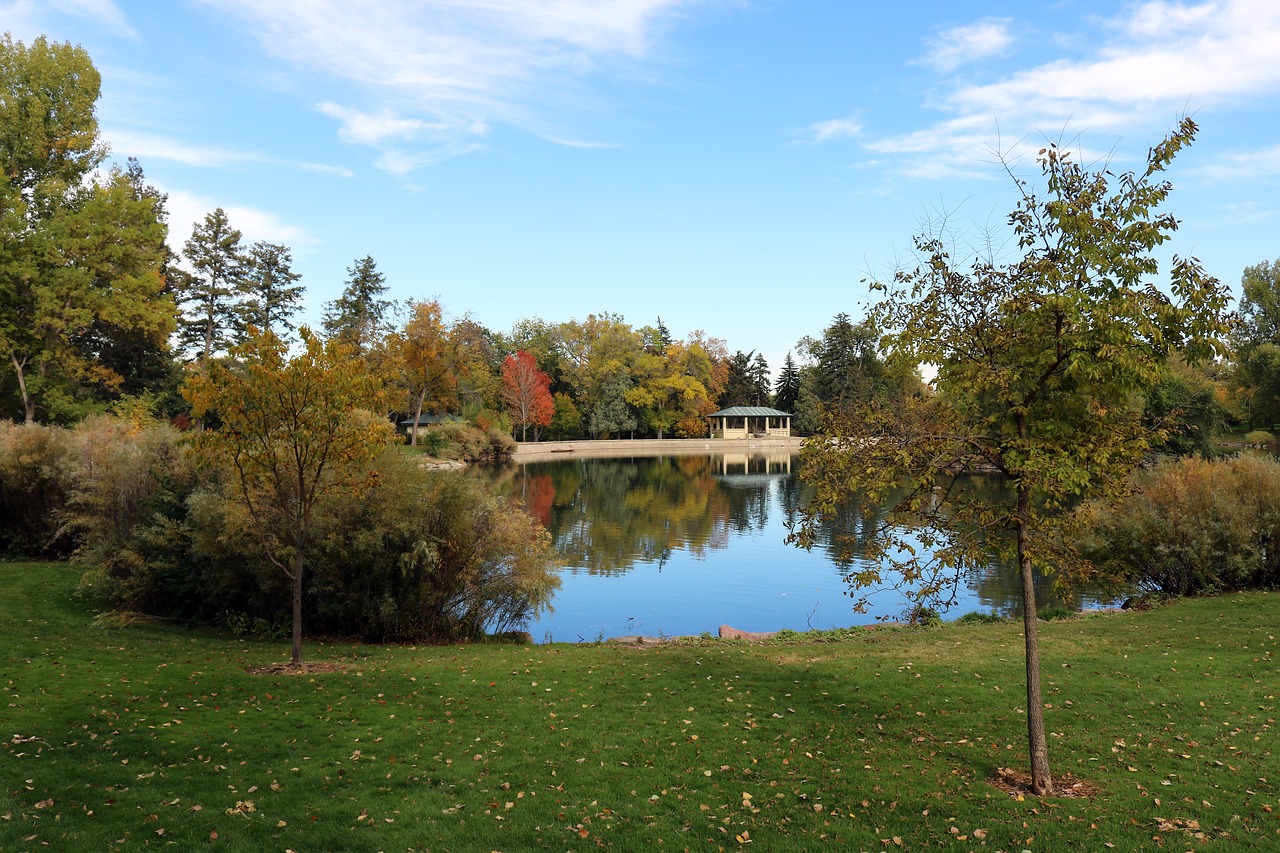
1162 58
29 18
836 128
950 49
1244 164
145 146
431 76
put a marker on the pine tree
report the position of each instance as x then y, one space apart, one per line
270 296
359 316
209 294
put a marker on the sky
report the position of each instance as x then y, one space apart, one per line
742 167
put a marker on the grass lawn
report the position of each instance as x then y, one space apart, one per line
155 736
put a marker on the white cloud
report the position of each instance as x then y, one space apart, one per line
29 18
1244 165
1162 59
836 128
433 75
960 45
186 209
147 146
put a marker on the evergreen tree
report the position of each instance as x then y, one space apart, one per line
787 391
270 296
209 295
758 374
849 368
359 316
611 415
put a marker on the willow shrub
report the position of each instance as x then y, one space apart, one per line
36 479
1192 526
420 557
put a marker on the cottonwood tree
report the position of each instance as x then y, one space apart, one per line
80 259
1039 360
295 433
1257 343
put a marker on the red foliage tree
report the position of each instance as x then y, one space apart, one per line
527 392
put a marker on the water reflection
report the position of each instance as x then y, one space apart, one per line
682 544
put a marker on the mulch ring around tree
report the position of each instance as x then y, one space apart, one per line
300 669
1017 783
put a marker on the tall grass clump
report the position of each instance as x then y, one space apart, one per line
1192 526
36 479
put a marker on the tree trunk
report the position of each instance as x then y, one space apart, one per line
417 416
297 608
1037 744
28 404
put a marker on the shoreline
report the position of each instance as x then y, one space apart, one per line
538 451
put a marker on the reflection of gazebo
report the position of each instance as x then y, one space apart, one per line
749 422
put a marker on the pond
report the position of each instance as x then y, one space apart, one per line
678 545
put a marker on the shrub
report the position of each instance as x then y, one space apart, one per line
1048 614
1192 526
979 618
36 479
419 557
1259 438
466 442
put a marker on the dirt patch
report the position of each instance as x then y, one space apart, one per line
1017 783
301 669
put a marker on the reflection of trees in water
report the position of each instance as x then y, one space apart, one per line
605 515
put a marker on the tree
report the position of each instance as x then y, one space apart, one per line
425 355
270 296
359 315
739 389
80 259
295 433
209 296
787 392
759 376
849 369
1040 360
1257 343
526 391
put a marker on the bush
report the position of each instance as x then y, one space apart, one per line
1259 438
466 442
1192 526
420 557
978 618
36 479
1049 614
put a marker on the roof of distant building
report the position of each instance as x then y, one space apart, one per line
749 412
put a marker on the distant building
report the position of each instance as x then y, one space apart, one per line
749 422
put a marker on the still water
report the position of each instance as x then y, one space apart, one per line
676 545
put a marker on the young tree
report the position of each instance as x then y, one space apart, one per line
359 315
209 296
526 391
295 433
80 260
1039 363
271 297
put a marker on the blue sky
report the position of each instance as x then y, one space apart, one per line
738 166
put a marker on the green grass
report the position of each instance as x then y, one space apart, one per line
150 735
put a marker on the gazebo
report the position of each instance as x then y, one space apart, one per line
749 422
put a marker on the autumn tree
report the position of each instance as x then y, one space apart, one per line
80 258
1040 360
427 359
526 391
295 433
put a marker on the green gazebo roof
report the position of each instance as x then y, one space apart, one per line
749 412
